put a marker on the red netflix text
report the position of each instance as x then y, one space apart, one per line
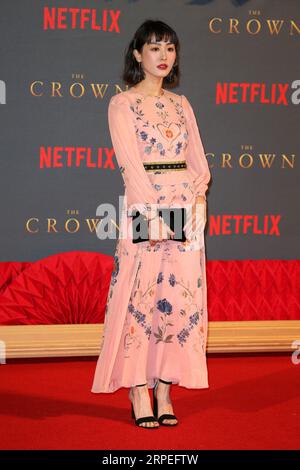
81 18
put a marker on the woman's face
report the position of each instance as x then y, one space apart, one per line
155 54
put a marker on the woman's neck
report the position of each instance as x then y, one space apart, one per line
149 89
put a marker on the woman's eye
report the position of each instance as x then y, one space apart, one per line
171 49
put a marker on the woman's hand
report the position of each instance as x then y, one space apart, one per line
158 227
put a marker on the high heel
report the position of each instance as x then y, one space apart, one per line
155 408
143 419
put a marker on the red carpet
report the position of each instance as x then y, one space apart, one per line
253 403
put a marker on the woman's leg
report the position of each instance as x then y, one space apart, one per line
139 396
164 404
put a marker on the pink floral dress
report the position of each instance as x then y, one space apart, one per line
156 314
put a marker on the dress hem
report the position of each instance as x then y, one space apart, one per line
150 385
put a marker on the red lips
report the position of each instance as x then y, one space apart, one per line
162 66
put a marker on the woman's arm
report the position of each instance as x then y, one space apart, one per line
141 194
195 155
197 165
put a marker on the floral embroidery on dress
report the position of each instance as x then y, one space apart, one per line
165 128
161 336
164 306
169 131
140 318
140 307
163 114
185 332
179 110
130 339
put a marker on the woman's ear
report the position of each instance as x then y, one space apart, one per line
136 55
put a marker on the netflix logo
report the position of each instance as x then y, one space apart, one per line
76 157
81 18
278 94
244 224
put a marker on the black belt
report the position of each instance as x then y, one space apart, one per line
179 165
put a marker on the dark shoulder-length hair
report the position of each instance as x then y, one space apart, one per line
133 72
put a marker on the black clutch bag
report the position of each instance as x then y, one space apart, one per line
174 217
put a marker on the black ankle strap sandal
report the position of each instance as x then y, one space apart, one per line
155 408
143 419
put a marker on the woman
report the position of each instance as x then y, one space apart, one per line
155 327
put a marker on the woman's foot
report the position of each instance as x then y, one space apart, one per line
139 397
164 404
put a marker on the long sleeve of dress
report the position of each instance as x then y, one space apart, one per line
140 192
195 155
